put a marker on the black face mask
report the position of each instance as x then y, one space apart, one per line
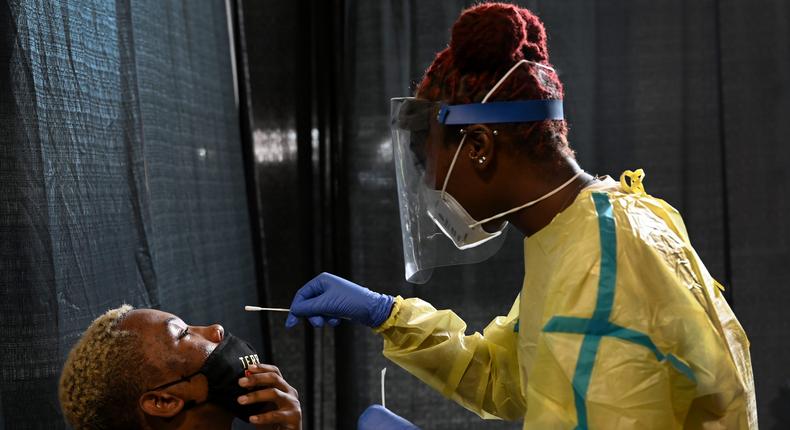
223 368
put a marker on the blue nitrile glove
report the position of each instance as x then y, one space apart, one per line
328 298
380 418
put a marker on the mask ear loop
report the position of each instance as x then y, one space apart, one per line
485 99
534 202
452 164
189 404
177 381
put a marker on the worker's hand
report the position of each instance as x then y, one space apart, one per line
328 298
270 387
380 418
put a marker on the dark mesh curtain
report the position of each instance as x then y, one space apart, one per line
121 181
694 92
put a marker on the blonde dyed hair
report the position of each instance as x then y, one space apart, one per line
103 376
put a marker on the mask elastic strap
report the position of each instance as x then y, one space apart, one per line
528 204
177 381
509 72
192 404
452 164
485 99
189 404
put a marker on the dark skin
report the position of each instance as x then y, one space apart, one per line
505 178
170 343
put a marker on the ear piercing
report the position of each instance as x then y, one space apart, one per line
496 132
481 160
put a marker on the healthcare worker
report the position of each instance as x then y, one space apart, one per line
618 324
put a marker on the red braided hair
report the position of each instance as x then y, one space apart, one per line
487 40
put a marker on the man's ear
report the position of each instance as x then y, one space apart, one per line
480 139
160 404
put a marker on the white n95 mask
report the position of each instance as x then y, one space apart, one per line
456 223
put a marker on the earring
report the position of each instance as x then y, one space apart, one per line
462 131
481 160
496 132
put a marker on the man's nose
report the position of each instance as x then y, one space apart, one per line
214 332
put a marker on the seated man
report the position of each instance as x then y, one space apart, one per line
147 369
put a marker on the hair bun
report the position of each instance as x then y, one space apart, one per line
491 35
535 47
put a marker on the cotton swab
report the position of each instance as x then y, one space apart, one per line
249 308
258 308
383 397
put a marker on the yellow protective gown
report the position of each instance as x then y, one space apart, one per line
618 326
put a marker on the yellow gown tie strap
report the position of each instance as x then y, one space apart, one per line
634 183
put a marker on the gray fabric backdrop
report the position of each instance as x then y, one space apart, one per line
121 181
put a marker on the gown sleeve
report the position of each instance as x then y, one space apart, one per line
480 372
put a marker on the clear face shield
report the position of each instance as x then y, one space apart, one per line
425 244
436 229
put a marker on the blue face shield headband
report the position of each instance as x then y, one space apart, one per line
500 112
